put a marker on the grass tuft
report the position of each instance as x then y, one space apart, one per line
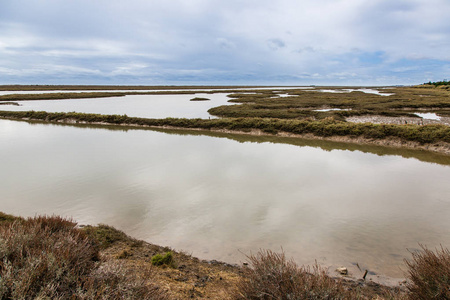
163 259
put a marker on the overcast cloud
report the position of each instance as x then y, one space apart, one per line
300 42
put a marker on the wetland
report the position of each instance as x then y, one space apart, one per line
218 195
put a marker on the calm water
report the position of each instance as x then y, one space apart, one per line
218 197
145 106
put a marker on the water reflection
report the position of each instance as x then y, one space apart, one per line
215 197
422 155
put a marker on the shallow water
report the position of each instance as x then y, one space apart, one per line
145 106
429 116
218 197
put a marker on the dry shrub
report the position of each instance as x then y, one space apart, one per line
48 257
43 257
271 276
429 274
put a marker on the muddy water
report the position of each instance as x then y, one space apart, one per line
218 197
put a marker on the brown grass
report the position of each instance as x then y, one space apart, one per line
429 274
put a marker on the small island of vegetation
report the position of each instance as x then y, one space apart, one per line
200 99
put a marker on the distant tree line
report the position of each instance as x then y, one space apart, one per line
438 83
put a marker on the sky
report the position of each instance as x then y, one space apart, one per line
218 42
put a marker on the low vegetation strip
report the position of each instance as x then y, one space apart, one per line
427 134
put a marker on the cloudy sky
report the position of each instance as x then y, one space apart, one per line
290 42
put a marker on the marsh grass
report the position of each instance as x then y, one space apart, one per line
302 103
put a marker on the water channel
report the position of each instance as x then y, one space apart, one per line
221 196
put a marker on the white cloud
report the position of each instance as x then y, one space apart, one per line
263 38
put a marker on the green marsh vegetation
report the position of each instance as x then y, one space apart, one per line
165 259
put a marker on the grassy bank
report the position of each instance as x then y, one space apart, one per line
328 127
51 257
